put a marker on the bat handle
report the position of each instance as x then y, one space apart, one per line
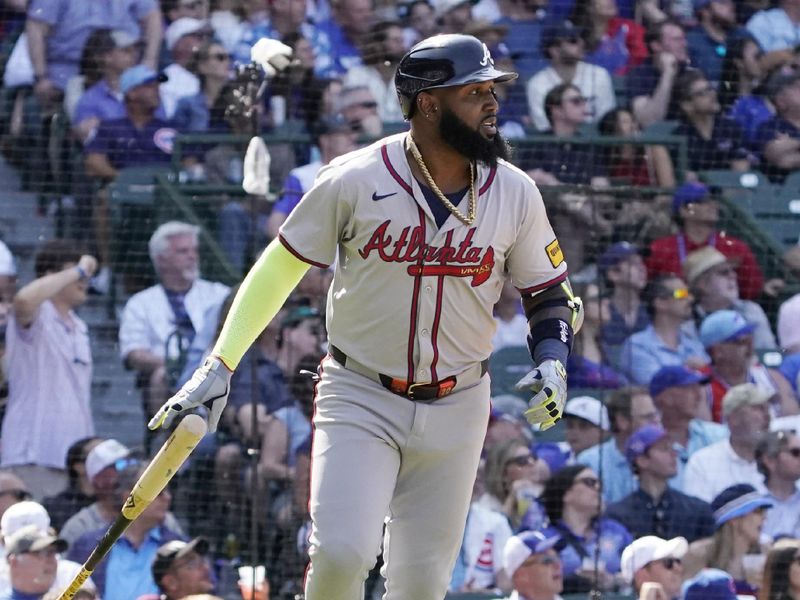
76 584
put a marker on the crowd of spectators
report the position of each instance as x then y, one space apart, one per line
676 474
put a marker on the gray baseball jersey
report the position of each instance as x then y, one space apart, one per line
413 302
408 299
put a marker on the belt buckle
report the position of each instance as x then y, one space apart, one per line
410 389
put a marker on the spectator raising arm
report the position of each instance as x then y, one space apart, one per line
152 30
37 32
30 298
653 108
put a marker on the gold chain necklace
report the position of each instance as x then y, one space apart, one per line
467 219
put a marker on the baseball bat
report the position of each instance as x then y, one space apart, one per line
164 465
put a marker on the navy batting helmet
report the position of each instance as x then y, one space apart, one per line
443 61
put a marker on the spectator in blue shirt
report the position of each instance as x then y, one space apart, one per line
115 52
336 40
670 339
628 409
777 31
709 39
679 396
655 508
57 31
525 21
625 274
778 459
740 89
139 138
571 499
126 573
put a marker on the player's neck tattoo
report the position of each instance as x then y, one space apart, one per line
467 219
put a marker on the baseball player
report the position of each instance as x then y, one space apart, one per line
423 228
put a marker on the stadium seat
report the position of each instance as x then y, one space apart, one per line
506 367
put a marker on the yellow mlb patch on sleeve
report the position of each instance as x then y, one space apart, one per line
554 253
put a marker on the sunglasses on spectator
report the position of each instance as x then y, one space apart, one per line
590 482
795 452
18 495
220 56
571 40
192 5
577 100
124 463
724 271
679 294
521 461
364 105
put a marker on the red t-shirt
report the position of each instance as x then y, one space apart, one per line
668 253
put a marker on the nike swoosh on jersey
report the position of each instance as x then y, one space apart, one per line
376 196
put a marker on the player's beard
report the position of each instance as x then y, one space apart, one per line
469 142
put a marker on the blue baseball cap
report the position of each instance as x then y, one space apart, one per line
737 501
138 75
709 584
690 193
641 440
724 326
615 254
552 454
673 376
519 547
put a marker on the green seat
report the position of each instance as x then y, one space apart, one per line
136 185
506 367
778 214
660 128
792 181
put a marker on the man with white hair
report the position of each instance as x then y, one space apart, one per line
533 563
651 560
166 328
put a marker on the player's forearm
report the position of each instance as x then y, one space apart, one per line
261 295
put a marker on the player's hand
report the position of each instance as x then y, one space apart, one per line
272 55
208 387
548 382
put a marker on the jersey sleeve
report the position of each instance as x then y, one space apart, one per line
313 229
535 261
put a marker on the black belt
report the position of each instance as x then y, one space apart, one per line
419 392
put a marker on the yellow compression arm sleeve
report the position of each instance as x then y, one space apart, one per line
261 295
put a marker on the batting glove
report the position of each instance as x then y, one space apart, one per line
208 387
548 382
272 55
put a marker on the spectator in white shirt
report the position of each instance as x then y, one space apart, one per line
512 326
710 470
563 45
182 37
778 459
